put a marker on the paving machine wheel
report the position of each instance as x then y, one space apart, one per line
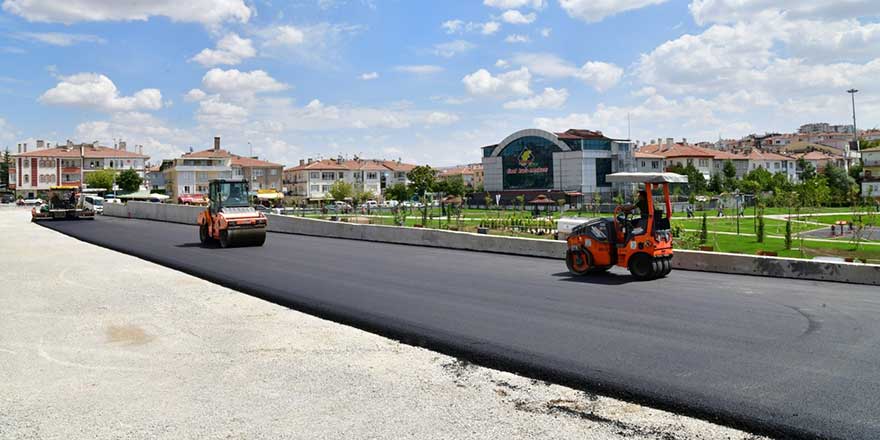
641 266
204 238
242 237
578 262
667 266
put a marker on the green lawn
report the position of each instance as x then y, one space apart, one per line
749 245
746 225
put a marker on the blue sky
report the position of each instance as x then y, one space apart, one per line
427 81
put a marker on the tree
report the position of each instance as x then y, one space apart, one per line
716 185
729 171
762 177
749 186
839 182
129 181
341 190
814 192
808 171
779 183
695 179
704 230
421 180
363 196
4 167
399 192
787 234
102 179
455 186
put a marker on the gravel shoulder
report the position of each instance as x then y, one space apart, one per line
97 344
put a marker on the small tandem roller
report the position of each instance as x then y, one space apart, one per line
644 245
230 218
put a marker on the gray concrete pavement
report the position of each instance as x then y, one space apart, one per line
788 357
100 345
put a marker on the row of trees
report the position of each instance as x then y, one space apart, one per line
833 185
128 180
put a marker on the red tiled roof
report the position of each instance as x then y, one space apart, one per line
643 155
237 160
760 155
354 165
818 155
726 155
96 152
675 150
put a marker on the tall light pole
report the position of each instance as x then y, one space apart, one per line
852 92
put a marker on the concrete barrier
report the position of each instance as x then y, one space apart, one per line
155 211
418 236
684 260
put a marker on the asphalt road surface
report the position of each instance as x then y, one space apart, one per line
782 357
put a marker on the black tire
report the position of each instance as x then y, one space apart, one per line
224 239
204 238
641 266
575 263
667 266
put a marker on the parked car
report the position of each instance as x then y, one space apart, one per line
192 199
263 209
7 198
372 204
94 203
340 206
31 202
390 203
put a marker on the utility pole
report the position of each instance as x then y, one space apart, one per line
852 92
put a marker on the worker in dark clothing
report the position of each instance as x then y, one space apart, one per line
642 205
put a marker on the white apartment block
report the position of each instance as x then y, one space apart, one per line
312 179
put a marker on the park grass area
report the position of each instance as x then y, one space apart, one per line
807 249
828 219
746 225
750 211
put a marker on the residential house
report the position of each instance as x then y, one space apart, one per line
36 171
774 163
649 163
311 180
191 173
682 154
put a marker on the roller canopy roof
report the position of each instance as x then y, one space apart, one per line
646 178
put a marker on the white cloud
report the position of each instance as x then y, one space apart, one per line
452 48
440 118
546 32
314 46
284 36
209 12
230 50
233 82
516 38
453 26
600 75
60 38
159 140
550 98
730 11
419 69
483 83
7 132
502 64
490 27
514 4
593 11
369 76
194 95
213 112
96 91
459 26
513 16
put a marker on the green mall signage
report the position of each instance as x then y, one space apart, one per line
527 165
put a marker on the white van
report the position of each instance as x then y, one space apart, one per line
94 203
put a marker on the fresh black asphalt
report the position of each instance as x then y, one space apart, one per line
788 358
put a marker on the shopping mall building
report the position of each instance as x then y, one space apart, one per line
572 164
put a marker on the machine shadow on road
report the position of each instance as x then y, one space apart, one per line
198 245
607 278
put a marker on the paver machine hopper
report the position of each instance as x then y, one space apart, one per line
230 218
643 245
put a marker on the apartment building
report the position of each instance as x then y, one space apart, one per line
311 179
682 154
471 175
37 170
649 162
191 173
774 163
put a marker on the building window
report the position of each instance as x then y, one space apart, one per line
237 172
328 176
186 189
202 175
315 175
315 188
26 179
372 176
273 172
643 164
341 175
603 168
776 165
655 164
690 161
258 172
704 162
325 188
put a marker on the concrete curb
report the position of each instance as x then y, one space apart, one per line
685 260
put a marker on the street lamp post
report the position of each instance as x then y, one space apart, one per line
852 93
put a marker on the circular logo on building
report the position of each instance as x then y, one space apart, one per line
526 158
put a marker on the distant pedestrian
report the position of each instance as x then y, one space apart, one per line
833 231
720 210
742 211
690 211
